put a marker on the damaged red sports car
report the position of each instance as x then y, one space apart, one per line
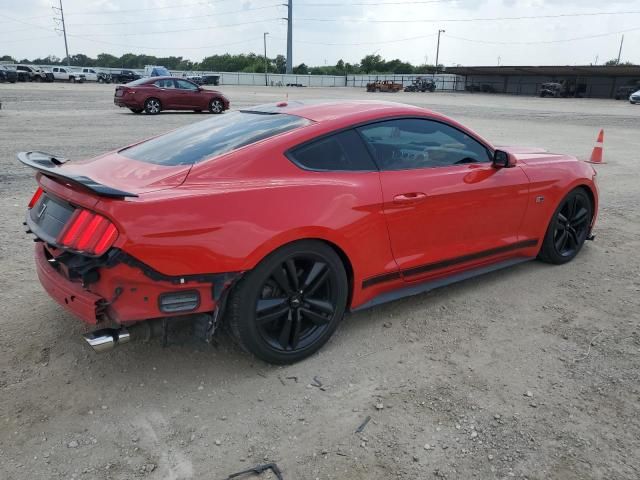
274 221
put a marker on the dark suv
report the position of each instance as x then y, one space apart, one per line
8 74
623 92
124 76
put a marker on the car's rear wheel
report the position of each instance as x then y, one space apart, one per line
290 304
152 106
568 229
216 106
136 110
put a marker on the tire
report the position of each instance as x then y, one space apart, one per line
216 106
136 110
152 106
72 79
300 291
568 228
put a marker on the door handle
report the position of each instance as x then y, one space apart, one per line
413 197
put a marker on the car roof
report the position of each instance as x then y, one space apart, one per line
353 110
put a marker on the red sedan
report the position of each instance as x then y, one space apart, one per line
274 221
152 95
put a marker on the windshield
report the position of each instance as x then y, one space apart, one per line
218 135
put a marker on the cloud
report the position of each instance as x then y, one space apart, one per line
198 28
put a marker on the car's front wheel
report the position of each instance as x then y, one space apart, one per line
152 106
288 306
216 106
568 229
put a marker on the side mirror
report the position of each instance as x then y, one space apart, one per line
502 159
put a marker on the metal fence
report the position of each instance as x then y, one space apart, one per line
443 81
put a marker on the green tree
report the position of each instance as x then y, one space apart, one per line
372 64
281 64
301 69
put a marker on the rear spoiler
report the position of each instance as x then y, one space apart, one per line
49 165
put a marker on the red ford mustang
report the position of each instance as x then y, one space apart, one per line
276 220
155 94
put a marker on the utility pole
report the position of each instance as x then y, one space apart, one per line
289 36
64 31
620 51
438 49
266 62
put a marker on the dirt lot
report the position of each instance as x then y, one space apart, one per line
531 372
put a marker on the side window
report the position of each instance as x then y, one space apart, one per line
410 143
344 151
184 85
62 70
166 83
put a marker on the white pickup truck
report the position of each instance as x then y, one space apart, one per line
90 75
66 74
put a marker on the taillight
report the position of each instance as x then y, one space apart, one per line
88 232
35 198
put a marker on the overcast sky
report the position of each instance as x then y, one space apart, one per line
327 30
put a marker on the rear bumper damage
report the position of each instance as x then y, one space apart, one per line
118 289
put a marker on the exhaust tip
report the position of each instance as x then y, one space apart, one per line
106 339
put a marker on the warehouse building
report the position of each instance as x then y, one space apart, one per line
597 81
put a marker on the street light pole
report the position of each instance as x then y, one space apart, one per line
266 81
438 49
620 51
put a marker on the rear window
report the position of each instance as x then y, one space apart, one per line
212 137
140 81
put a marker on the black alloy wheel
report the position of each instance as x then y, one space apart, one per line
288 307
569 228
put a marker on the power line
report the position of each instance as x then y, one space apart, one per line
410 2
340 44
147 47
544 42
480 19
173 19
162 32
167 7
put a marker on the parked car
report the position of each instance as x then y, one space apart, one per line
90 74
66 74
124 76
273 221
8 74
156 71
421 84
104 77
384 86
30 73
193 77
624 91
210 79
48 74
634 97
155 94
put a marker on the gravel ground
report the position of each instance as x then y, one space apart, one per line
531 372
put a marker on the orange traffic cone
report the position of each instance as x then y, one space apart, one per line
598 151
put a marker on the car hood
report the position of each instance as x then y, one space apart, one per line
531 155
